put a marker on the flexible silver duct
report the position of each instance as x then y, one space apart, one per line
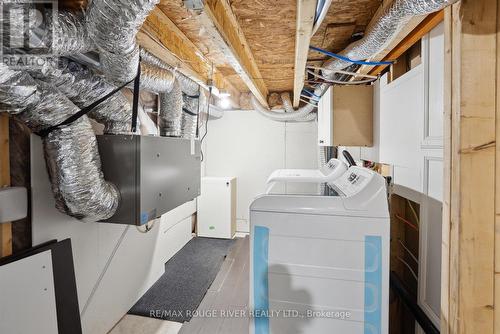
156 79
190 116
377 37
83 88
188 127
170 115
188 86
192 103
113 25
64 32
69 34
71 152
382 32
304 114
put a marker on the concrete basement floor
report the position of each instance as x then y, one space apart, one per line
229 291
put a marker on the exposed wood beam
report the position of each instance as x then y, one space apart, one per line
160 36
6 228
306 10
429 23
471 204
223 27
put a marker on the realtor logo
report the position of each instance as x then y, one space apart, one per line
26 30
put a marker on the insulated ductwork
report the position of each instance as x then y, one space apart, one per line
155 79
189 118
64 32
188 86
71 152
376 38
382 32
193 101
83 88
113 25
304 114
170 116
68 34
193 106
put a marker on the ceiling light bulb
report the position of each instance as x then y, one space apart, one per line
225 103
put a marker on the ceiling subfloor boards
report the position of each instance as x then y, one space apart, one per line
269 28
222 26
344 19
163 38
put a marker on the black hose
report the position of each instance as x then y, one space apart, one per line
349 158
422 319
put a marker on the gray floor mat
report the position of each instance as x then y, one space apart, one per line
188 275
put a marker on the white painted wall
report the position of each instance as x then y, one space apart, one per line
114 264
248 146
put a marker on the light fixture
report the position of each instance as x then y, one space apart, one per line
225 102
224 93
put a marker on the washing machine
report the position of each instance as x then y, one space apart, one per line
333 169
320 263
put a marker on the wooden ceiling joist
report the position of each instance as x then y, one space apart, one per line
429 23
160 36
222 25
306 10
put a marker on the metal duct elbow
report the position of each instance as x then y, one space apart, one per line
71 152
113 25
170 116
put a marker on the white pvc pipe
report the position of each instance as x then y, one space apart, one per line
321 16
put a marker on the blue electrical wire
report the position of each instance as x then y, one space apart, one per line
310 93
359 62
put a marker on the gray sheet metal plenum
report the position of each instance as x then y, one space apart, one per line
154 174
71 152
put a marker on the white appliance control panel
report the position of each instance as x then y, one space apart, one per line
331 167
353 181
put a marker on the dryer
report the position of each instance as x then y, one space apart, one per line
320 264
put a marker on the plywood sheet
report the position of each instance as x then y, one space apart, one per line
189 23
344 18
269 27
